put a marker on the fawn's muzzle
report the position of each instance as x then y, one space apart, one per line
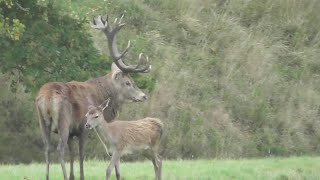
88 126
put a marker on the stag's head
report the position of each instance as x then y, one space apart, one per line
125 86
121 80
94 115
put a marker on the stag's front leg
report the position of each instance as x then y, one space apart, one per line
71 154
115 158
82 141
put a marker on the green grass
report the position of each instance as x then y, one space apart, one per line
271 168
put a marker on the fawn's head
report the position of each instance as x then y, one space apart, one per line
94 115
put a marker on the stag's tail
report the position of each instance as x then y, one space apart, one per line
44 110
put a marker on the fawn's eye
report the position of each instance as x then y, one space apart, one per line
128 83
96 116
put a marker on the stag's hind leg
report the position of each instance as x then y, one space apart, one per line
64 134
63 117
45 127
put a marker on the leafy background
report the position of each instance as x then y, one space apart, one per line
229 79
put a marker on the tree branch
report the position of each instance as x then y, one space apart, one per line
22 8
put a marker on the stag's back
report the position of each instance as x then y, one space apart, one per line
55 97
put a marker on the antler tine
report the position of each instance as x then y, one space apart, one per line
126 51
118 25
148 67
121 18
140 61
107 23
145 60
148 62
104 22
93 23
98 23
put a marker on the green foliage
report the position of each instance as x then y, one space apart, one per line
245 69
37 46
13 31
20 133
44 45
229 78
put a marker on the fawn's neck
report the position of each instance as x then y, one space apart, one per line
104 130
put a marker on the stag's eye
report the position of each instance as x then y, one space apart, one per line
128 83
96 116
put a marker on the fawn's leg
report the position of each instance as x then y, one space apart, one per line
115 158
118 169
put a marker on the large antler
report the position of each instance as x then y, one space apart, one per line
111 32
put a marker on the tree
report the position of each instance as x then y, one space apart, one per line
40 44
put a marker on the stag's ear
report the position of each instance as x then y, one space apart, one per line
105 104
116 75
116 72
115 68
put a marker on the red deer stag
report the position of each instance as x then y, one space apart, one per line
127 136
62 106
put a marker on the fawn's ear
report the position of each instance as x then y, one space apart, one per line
105 104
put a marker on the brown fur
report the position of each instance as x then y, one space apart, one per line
62 106
128 136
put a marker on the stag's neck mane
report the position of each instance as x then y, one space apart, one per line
105 90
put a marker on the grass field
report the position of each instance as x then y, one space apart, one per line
271 168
